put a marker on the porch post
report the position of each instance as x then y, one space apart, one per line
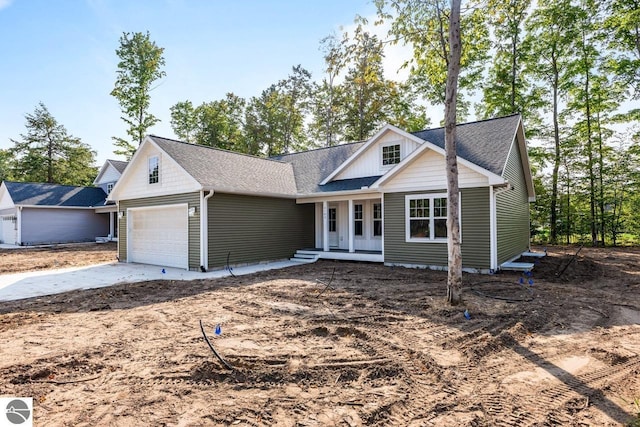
111 225
325 226
351 227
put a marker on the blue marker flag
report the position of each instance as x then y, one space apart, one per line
467 315
218 329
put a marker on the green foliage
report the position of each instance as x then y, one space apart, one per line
47 153
140 65
6 165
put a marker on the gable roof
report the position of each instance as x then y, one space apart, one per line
226 171
485 143
118 164
312 167
40 194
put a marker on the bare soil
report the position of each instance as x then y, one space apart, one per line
374 346
58 256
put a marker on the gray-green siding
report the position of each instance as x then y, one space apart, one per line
512 210
475 223
192 199
252 229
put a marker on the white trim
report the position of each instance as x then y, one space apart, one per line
337 196
378 135
59 207
18 225
394 143
158 166
431 197
325 226
204 229
382 212
351 226
493 229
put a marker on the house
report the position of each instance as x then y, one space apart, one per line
36 213
108 175
381 200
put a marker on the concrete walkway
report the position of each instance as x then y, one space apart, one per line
47 282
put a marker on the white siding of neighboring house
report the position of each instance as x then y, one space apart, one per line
369 163
134 184
56 225
5 199
428 172
110 175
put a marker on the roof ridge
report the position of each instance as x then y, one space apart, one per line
253 156
469 123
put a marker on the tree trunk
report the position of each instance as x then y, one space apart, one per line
556 158
454 277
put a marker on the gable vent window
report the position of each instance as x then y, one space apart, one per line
390 155
154 170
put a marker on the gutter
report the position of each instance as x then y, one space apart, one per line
204 232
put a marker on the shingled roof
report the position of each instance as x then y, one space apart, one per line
313 166
39 194
485 143
227 171
118 164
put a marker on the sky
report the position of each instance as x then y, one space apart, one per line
62 53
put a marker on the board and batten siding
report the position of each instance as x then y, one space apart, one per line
369 163
475 221
192 199
251 229
56 225
512 210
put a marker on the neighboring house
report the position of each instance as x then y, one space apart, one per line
381 200
109 174
35 213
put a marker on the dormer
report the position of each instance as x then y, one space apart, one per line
380 154
109 174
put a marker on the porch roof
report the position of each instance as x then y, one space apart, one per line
348 184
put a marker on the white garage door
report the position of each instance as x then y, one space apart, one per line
159 236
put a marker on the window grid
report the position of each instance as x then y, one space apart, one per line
358 220
390 155
154 170
426 217
377 219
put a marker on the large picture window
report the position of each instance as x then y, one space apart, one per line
426 217
390 155
154 170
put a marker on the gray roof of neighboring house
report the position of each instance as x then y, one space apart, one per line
227 171
39 194
312 167
485 143
119 165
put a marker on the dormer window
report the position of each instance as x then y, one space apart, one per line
390 155
154 170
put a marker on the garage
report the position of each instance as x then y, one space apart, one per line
8 229
159 235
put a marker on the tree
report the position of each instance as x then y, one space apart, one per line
6 165
184 121
550 34
622 29
454 276
140 65
47 153
424 24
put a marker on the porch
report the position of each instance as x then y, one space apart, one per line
314 254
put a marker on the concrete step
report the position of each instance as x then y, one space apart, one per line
303 257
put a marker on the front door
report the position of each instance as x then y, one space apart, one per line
333 227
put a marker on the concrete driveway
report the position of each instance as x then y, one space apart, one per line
47 282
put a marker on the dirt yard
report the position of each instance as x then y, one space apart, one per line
59 256
376 347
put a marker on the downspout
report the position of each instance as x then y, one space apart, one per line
204 232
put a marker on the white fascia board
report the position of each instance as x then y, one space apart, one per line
365 147
148 140
58 207
102 170
339 195
426 145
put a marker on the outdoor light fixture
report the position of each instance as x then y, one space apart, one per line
120 214
192 211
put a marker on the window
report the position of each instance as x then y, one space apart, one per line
377 219
357 220
109 187
426 217
390 155
154 170
332 220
